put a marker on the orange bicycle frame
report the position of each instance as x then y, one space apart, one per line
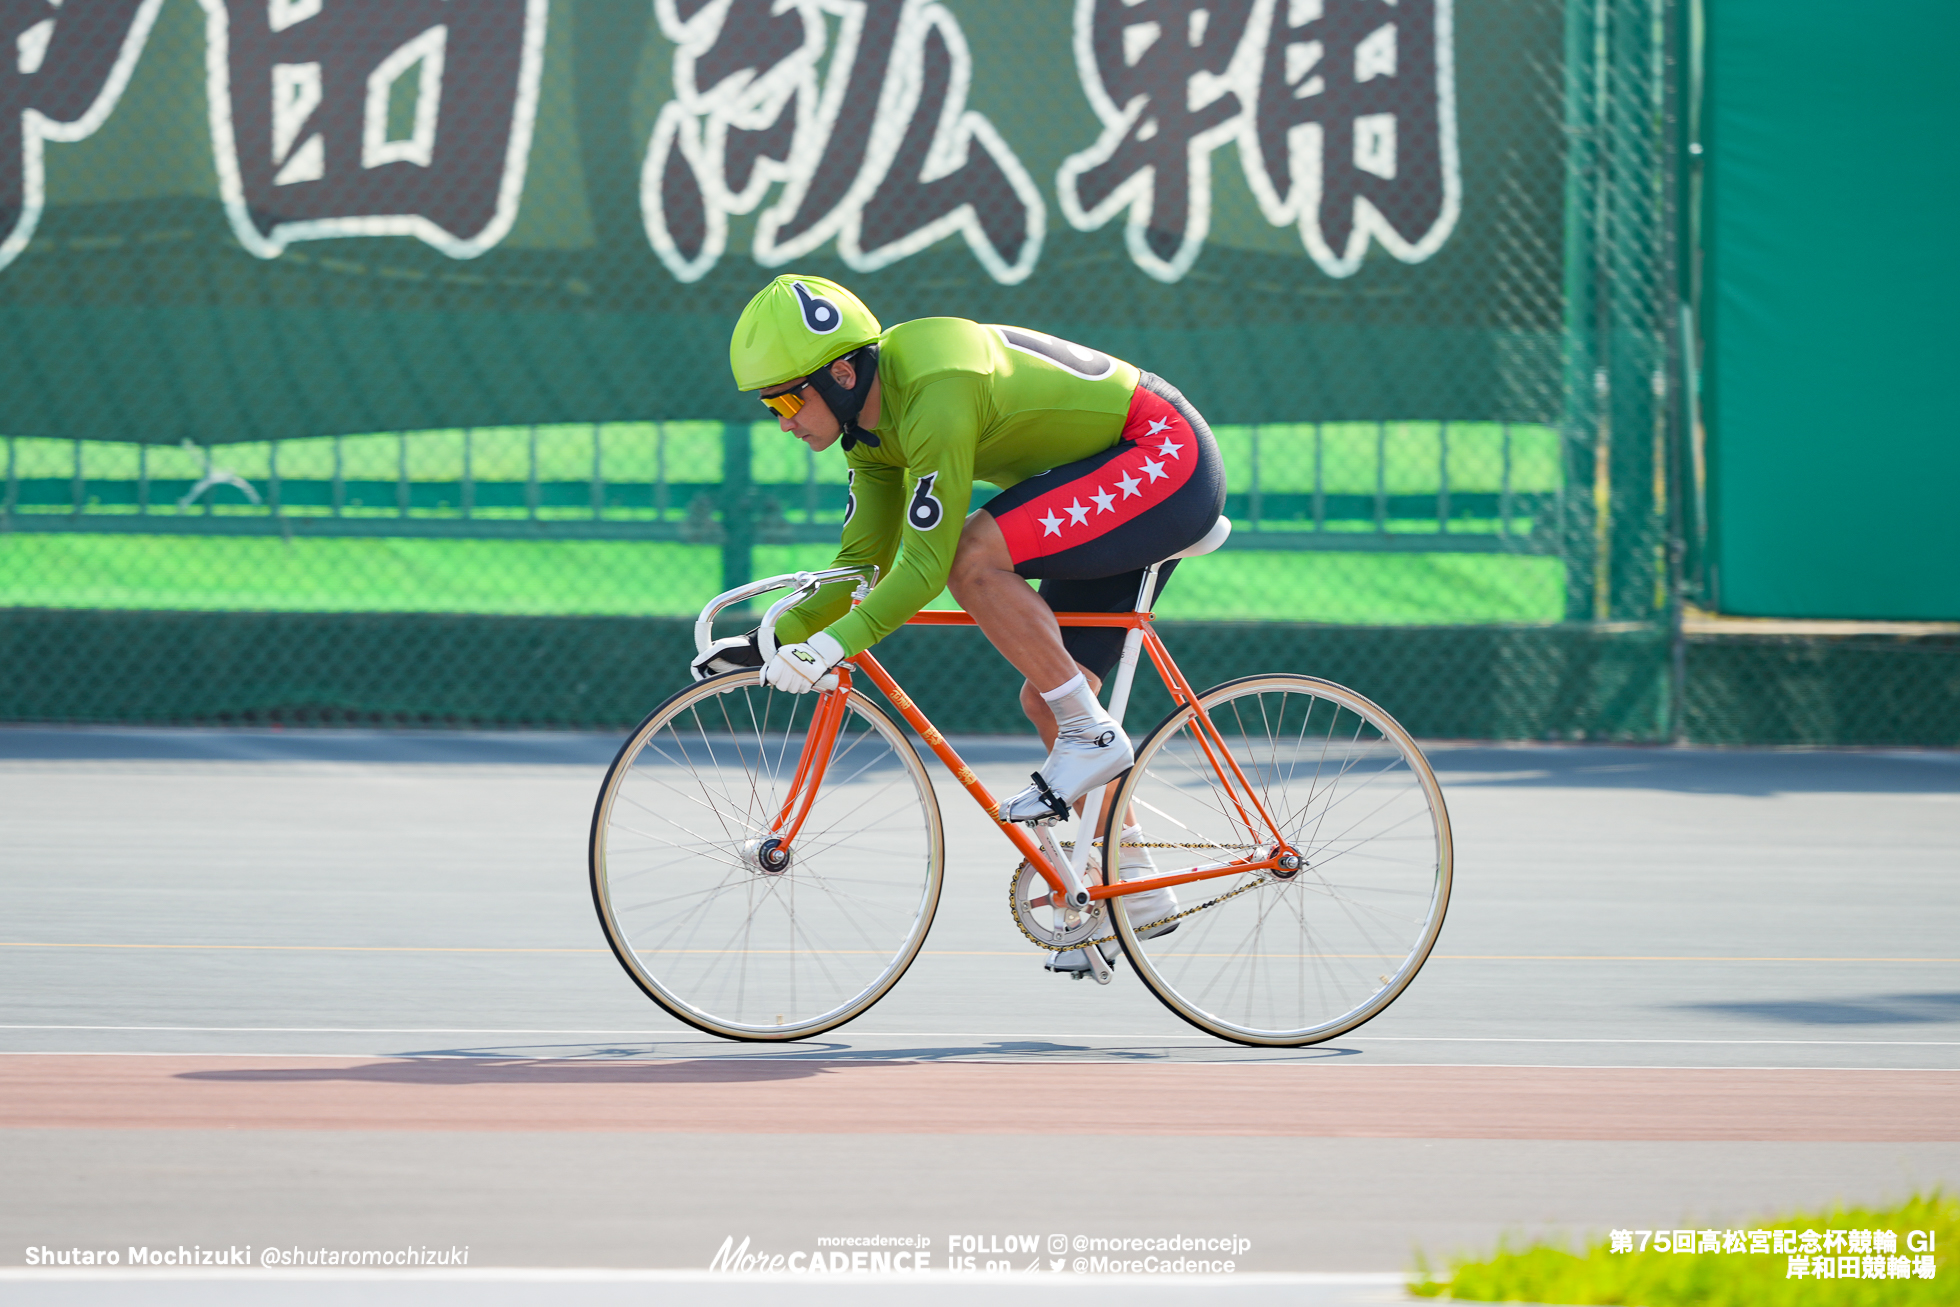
828 719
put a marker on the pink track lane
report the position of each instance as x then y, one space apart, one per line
782 1097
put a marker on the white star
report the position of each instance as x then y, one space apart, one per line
1051 523
1154 470
1170 448
1158 424
1103 500
1077 514
1129 484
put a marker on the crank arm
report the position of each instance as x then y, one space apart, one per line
1076 891
1099 966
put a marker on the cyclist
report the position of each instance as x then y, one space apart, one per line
1104 469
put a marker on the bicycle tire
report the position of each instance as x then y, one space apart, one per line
700 926
1249 960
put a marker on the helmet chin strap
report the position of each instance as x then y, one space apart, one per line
847 404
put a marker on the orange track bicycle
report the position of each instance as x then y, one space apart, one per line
766 866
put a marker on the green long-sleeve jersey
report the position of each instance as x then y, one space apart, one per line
959 402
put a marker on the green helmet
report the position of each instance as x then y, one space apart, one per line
794 326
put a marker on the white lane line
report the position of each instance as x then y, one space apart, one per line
696 1037
931 952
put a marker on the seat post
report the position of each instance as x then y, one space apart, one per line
1119 702
1119 698
1119 695
1144 598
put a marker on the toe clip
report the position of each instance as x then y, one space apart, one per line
1057 805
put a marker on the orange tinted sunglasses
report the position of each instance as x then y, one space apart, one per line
787 404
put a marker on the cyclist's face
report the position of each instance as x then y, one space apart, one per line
814 424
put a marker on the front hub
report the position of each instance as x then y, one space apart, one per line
768 856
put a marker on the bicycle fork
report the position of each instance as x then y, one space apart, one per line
772 854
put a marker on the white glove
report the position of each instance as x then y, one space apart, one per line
797 668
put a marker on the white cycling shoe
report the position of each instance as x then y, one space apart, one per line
1076 765
1153 905
1090 750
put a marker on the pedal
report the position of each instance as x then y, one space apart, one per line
1096 964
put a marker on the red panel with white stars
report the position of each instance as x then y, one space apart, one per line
1157 456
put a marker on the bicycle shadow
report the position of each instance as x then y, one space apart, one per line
446 1070
657 1064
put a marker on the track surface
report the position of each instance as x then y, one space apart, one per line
277 988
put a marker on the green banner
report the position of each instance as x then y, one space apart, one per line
246 220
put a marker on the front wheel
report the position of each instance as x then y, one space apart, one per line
1286 956
701 906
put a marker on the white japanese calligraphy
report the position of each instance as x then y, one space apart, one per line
62 69
1344 113
879 152
319 157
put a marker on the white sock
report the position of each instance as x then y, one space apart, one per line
1075 705
1132 858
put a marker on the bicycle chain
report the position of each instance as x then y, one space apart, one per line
1014 908
1158 844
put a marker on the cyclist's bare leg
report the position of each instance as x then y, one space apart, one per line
1010 612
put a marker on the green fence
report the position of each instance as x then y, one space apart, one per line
366 362
664 496
1424 486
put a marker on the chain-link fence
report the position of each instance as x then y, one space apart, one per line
366 361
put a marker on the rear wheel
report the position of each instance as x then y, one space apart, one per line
702 911
1285 957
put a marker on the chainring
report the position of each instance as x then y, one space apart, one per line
1028 899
